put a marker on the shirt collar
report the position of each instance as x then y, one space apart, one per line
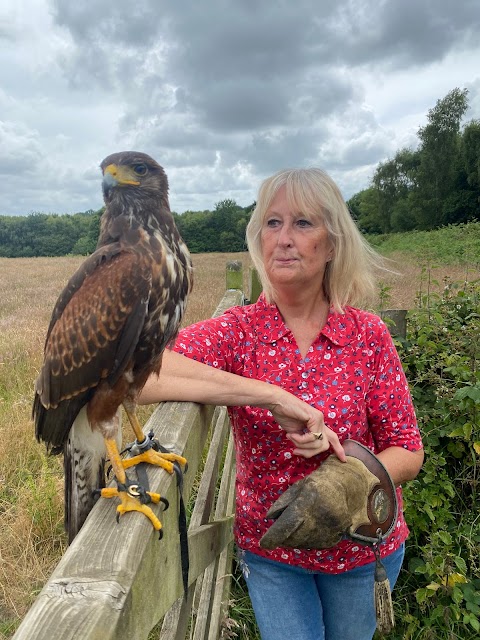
340 328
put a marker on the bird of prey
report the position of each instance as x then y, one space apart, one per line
107 334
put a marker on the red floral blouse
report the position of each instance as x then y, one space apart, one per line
351 373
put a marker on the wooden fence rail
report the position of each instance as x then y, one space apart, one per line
117 581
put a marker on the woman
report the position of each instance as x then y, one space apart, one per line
302 370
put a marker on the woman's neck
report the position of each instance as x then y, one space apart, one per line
305 306
304 316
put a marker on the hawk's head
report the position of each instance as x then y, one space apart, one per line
132 176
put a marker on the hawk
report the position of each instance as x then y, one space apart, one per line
107 334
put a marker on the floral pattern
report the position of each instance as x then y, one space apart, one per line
351 373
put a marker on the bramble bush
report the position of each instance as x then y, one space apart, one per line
438 593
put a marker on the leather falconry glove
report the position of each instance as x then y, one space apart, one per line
354 499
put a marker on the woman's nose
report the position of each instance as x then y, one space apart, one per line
285 236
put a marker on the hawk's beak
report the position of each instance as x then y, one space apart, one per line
117 175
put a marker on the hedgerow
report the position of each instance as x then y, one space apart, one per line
438 593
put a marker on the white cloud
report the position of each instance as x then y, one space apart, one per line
221 93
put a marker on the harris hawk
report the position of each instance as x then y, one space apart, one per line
108 331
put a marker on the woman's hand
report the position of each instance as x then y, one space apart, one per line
305 427
309 444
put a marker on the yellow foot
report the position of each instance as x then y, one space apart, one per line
151 456
130 500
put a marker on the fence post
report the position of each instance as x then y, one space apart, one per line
396 320
235 275
255 288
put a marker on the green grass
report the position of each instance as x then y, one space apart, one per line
459 244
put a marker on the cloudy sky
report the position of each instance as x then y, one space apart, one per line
222 93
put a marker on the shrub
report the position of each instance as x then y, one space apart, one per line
438 593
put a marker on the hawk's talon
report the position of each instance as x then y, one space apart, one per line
133 497
150 456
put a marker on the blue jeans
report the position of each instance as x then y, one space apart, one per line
298 604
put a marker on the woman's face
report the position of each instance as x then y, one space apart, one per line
295 250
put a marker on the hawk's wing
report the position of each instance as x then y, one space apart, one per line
93 333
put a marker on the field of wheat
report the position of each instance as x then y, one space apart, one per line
31 511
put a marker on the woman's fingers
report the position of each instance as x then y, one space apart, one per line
311 443
305 426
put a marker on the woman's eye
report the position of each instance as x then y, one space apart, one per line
140 169
272 222
304 223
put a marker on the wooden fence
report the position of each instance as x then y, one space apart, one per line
117 581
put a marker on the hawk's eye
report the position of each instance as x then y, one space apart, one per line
140 169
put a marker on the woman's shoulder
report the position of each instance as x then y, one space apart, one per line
253 312
365 321
363 316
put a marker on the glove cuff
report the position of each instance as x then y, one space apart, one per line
382 501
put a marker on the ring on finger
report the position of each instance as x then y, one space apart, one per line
318 436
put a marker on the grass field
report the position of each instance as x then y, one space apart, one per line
31 511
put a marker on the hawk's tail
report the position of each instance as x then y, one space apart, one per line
84 463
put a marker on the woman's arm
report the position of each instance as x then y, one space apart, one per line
185 380
401 464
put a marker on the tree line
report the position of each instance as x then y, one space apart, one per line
41 234
434 185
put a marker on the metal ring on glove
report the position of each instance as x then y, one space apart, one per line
317 436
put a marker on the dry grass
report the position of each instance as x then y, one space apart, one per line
31 529
413 278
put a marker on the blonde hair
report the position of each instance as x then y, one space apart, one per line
349 277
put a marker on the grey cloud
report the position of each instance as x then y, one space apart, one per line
267 152
405 32
124 22
236 106
21 150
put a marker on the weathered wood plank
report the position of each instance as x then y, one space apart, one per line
205 612
221 588
175 623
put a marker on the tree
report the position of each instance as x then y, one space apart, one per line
439 158
471 153
364 208
393 181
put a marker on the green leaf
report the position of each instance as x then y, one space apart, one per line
456 432
473 607
445 537
457 595
429 512
417 565
468 392
421 595
461 565
473 621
